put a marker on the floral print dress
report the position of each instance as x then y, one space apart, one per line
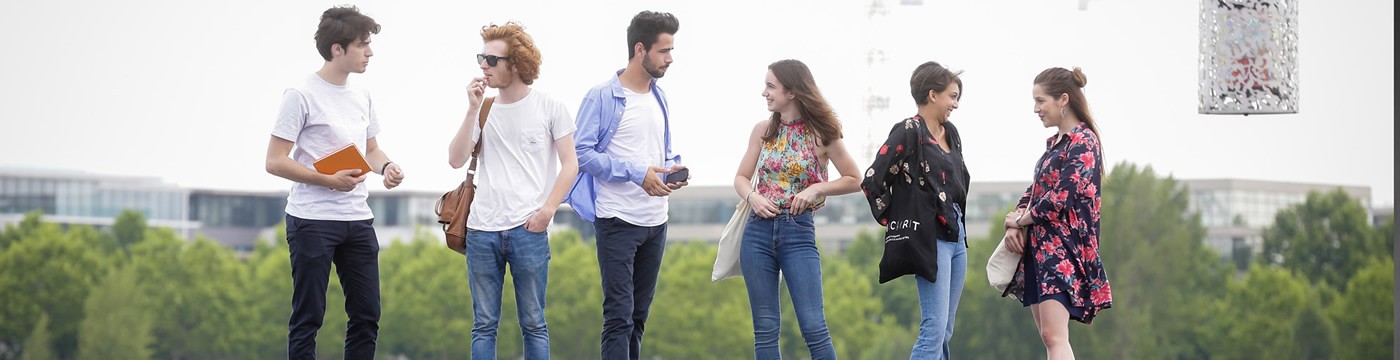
789 164
1062 260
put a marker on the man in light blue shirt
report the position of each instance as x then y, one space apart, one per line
624 151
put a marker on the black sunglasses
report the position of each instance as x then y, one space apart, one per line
491 60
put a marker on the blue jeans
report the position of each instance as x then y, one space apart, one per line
785 243
352 246
488 252
938 300
629 262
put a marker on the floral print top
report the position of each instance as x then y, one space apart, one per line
789 164
1064 241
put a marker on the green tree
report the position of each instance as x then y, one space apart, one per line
1327 238
575 298
48 272
1366 311
100 243
129 228
195 293
892 341
691 315
39 346
1385 232
269 297
118 322
1270 314
852 310
33 221
866 250
426 303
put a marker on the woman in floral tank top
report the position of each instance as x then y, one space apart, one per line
790 152
1056 224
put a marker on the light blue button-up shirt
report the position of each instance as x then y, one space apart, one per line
596 123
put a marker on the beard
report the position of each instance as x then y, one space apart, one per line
652 69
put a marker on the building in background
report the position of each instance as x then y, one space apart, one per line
234 218
77 198
1233 211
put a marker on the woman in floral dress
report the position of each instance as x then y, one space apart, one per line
1056 224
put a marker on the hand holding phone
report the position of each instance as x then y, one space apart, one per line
678 176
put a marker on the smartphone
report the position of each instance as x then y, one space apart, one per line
678 176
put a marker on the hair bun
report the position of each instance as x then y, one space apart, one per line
1079 79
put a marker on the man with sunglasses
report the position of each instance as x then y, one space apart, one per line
525 168
624 150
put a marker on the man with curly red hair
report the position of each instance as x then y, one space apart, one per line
525 168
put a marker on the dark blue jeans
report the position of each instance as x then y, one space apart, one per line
629 260
354 249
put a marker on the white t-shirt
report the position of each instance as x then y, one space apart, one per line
320 118
518 164
640 140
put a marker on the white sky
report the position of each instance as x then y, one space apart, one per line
187 90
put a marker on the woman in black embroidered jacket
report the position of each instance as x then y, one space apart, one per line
917 188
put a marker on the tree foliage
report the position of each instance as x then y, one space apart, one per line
46 271
129 228
1327 238
1323 289
39 346
118 322
1366 312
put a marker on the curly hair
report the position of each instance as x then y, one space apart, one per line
520 47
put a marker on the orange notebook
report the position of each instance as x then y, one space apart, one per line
347 157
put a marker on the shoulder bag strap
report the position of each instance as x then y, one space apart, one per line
481 122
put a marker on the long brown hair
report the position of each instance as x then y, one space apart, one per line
1058 80
811 105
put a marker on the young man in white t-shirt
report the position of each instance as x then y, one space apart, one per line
525 168
328 218
624 152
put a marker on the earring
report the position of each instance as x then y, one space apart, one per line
1062 112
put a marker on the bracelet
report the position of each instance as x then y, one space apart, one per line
384 168
1018 217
